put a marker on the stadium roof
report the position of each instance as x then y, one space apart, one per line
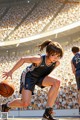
11 1
65 34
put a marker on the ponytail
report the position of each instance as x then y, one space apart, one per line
44 44
51 47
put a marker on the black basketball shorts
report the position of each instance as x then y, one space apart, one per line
28 82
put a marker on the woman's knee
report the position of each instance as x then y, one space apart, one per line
57 83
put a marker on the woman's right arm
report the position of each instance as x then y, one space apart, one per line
28 59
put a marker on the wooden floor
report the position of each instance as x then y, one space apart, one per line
41 119
65 118
61 119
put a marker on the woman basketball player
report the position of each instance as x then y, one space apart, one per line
38 74
75 63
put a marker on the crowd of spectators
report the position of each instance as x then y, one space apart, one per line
18 21
30 18
67 97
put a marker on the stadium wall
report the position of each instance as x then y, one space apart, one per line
39 113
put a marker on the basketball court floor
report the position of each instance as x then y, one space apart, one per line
64 118
41 119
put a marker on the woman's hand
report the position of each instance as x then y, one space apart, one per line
7 74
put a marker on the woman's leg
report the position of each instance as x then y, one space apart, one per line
52 95
78 87
79 100
24 102
53 92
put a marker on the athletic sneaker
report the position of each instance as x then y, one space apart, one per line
5 108
48 114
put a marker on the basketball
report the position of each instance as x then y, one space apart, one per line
6 89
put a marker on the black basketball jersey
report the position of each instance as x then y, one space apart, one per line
76 63
42 70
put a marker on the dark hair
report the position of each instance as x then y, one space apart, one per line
51 47
75 49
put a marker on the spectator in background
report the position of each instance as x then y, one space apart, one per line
75 64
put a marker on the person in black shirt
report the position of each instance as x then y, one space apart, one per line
38 73
75 63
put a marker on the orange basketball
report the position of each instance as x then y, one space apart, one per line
6 89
